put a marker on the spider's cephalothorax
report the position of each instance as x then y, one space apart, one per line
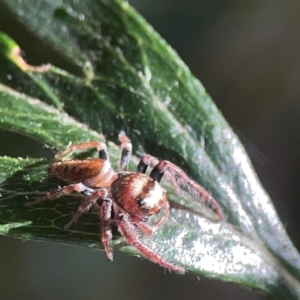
127 198
138 194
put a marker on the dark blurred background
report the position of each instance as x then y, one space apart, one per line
246 53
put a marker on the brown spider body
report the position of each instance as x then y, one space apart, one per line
127 198
138 194
92 172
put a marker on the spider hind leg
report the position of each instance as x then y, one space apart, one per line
101 147
66 190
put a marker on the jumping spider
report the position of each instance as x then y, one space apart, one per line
126 198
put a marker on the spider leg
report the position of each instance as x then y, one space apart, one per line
77 187
128 231
145 161
84 206
105 215
126 148
187 184
101 147
153 161
145 228
178 178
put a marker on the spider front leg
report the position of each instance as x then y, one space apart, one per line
153 161
128 231
145 161
181 179
189 185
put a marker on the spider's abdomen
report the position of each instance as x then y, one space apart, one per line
89 171
138 194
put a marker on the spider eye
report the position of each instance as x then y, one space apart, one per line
140 201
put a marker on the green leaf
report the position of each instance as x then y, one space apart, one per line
122 75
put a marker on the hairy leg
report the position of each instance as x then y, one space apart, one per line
145 228
177 176
106 234
77 187
189 185
84 206
153 161
145 161
126 148
128 231
101 147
